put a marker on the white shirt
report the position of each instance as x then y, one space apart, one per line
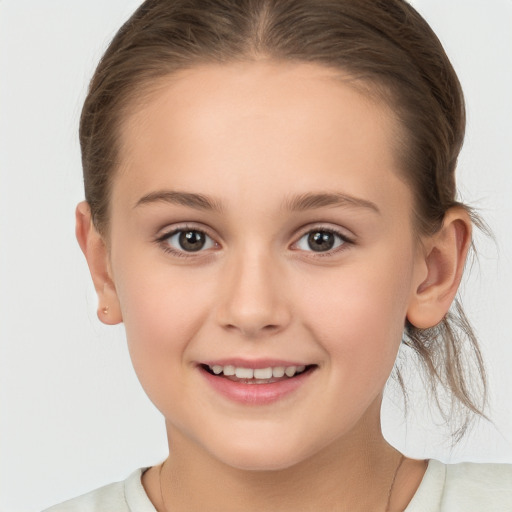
464 487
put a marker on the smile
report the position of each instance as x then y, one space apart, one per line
256 386
256 374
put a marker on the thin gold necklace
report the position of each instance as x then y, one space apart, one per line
388 504
390 492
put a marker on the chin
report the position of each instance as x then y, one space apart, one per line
261 456
260 462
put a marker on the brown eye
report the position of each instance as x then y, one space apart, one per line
321 240
189 240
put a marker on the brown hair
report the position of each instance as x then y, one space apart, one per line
384 44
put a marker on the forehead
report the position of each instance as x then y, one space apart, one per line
298 126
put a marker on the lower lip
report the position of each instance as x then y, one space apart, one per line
255 394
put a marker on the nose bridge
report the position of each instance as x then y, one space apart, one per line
253 301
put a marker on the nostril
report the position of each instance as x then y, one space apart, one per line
252 330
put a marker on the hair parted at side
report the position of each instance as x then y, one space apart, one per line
383 45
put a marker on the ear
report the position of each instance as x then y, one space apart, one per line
443 263
96 253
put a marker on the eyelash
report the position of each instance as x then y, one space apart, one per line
345 241
162 241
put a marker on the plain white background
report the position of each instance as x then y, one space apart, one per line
73 416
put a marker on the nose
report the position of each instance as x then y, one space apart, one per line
252 298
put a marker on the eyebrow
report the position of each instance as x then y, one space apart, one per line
302 202
189 199
310 201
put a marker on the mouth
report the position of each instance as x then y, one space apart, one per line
266 375
256 386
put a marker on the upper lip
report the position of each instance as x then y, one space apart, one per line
253 363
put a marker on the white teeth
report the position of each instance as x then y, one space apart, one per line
229 370
290 371
244 373
263 373
258 373
278 371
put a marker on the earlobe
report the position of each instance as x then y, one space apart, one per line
96 253
443 262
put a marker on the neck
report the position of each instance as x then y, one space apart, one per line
353 473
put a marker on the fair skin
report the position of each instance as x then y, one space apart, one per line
258 290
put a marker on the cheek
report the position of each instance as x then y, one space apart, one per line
162 311
358 314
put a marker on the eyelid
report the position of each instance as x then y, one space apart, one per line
347 240
169 231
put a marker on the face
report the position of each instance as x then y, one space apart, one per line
259 227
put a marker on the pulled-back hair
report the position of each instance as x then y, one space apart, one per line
386 48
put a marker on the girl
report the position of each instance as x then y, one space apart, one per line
271 212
